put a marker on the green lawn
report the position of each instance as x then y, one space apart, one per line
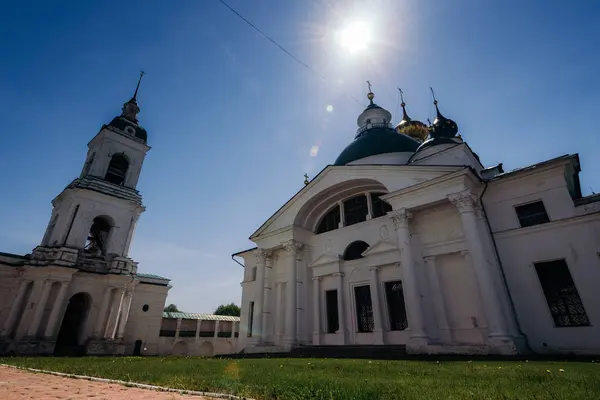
344 379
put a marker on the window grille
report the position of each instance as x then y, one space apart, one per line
331 303
330 221
379 207
355 210
396 307
364 309
561 294
532 214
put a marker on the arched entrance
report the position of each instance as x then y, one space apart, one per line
69 334
206 349
180 349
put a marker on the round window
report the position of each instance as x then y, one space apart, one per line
130 130
145 307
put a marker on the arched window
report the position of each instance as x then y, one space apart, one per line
355 210
117 169
380 207
354 250
98 236
330 221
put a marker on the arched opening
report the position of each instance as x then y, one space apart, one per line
69 335
180 349
98 236
354 250
137 348
330 221
380 207
206 349
117 169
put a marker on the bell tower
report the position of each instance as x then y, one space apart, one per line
93 219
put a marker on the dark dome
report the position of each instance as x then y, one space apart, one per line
376 141
442 126
123 123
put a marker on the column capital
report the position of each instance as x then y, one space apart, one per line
428 259
400 218
338 274
293 247
316 278
264 255
466 202
464 253
374 269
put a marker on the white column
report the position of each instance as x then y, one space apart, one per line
377 318
233 323
39 308
261 256
113 318
342 329
342 218
217 325
438 300
278 312
316 333
177 328
466 202
293 249
14 309
369 206
198 326
56 310
267 301
100 327
124 315
418 337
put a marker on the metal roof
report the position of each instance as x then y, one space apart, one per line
152 276
206 317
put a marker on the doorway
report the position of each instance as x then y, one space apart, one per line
72 324
137 349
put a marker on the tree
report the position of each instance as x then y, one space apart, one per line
228 309
172 308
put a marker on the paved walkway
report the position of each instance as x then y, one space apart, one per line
17 384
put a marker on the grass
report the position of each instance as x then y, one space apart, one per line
343 379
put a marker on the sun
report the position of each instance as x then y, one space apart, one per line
355 37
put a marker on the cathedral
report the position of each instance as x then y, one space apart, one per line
408 240
78 292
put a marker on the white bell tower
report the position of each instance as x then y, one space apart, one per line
93 219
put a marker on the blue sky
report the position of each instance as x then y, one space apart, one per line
232 120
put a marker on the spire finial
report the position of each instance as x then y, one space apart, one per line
405 116
401 97
134 98
370 95
435 103
305 179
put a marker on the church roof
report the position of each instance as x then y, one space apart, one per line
374 141
205 317
151 276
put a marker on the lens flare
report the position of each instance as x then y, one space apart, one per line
356 36
314 151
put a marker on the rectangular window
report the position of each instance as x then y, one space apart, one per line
355 210
379 207
253 274
396 308
532 214
331 303
250 319
561 294
364 308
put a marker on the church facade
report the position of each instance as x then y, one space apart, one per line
407 239
79 292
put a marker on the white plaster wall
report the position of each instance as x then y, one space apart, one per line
447 154
9 284
145 326
384 159
196 347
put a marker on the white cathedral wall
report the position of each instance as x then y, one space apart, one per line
570 236
9 284
145 325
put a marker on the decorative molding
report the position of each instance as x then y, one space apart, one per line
429 259
341 274
325 259
374 269
293 247
383 246
466 201
384 232
401 218
316 278
263 255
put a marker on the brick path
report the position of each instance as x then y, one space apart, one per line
19 385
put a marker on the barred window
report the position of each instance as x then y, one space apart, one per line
364 308
380 207
396 308
330 221
355 210
354 250
532 214
331 302
561 294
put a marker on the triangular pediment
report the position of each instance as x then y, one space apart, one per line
383 178
325 259
383 246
